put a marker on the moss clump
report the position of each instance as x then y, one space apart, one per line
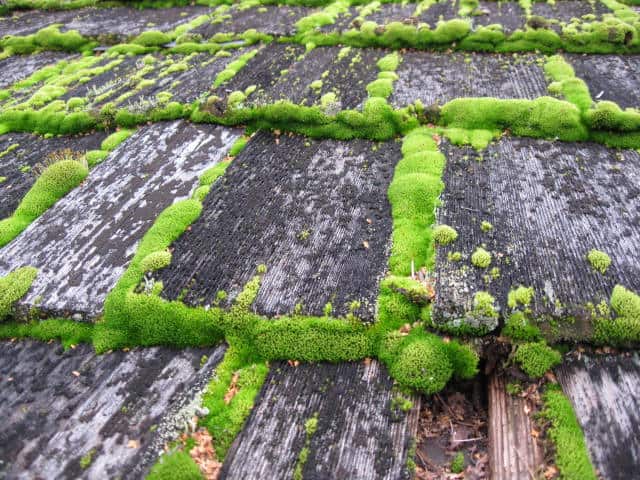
454 256
13 287
152 38
536 358
599 260
457 464
572 457
625 328
444 235
481 258
112 141
423 364
55 182
485 226
155 261
519 328
520 296
86 460
389 63
225 418
175 466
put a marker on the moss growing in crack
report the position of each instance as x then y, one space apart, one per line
176 465
56 181
518 327
155 261
112 141
536 358
152 38
69 332
444 234
413 194
242 370
625 327
48 38
13 287
599 260
212 174
521 296
572 457
310 427
543 117
481 258
85 461
233 68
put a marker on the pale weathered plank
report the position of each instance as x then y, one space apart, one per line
83 244
57 406
514 453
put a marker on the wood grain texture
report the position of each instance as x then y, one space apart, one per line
514 454
358 437
58 406
605 394
83 244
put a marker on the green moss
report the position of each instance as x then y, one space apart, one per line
156 261
233 68
13 287
48 38
389 63
213 173
484 306
55 182
486 226
413 194
481 258
463 358
226 418
175 466
572 457
112 141
519 328
565 82
86 460
454 256
94 157
536 358
152 38
520 296
544 117
310 427
423 364
69 332
625 327
444 234
599 260
457 464
238 146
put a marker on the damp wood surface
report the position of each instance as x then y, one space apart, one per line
604 393
23 152
610 77
514 452
58 406
437 78
358 436
314 212
549 203
83 244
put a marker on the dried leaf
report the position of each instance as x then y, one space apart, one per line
233 389
133 444
75 373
